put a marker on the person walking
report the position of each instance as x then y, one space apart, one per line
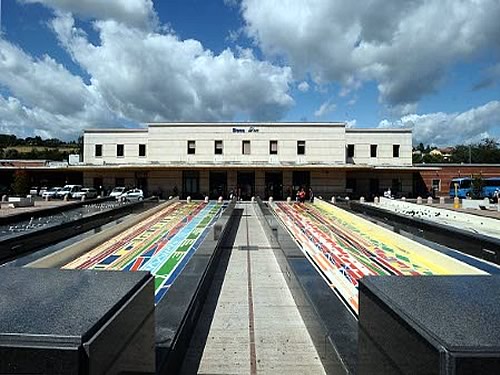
311 195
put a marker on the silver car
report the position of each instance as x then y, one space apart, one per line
132 195
88 193
51 193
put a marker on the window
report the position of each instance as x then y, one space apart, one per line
245 148
98 151
219 148
191 147
373 151
273 147
395 151
120 151
436 185
350 151
142 150
301 147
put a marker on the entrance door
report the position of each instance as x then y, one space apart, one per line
301 179
98 185
191 184
142 183
274 185
218 185
374 186
246 185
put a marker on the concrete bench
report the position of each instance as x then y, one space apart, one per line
478 204
20 202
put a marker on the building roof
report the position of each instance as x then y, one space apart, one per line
378 130
233 124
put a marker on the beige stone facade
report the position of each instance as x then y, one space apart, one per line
265 159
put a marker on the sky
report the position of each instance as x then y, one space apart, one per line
431 65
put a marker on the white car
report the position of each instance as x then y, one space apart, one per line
68 190
51 193
43 189
117 191
88 193
132 195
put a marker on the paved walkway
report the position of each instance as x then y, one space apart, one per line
256 327
5 210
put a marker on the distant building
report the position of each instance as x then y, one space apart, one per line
265 159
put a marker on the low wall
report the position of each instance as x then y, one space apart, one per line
473 223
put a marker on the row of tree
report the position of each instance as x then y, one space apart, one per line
41 149
35 154
10 140
485 152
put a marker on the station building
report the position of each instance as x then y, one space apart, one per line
249 159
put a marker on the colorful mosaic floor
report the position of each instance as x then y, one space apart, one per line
162 244
345 248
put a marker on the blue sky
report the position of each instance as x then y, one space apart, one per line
66 65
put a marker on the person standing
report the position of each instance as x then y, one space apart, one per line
311 195
302 195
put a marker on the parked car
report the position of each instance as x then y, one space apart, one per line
43 189
88 193
51 193
34 190
117 191
68 190
132 195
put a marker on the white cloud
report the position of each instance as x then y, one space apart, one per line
351 124
157 77
45 98
405 46
325 108
137 13
16 118
446 129
136 75
42 82
303 86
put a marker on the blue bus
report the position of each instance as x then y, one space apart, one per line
491 187
464 188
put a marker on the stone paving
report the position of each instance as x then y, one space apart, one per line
256 327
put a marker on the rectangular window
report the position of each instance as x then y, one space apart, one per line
395 151
245 148
219 148
98 151
142 150
120 151
191 147
350 151
301 147
436 185
373 151
273 147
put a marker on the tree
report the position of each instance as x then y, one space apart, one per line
477 186
428 158
11 153
21 184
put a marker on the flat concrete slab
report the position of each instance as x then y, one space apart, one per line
256 327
